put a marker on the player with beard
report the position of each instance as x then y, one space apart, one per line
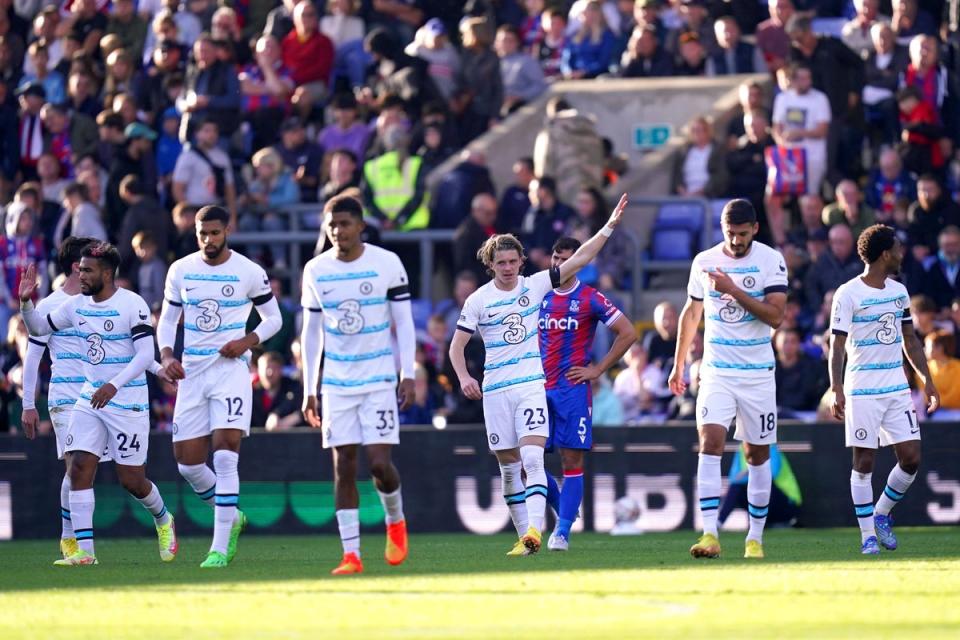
742 286
215 290
872 327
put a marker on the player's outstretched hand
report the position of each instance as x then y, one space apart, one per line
933 397
576 375
677 384
28 283
617 214
405 394
173 369
839 405
310 413
30 420
471 389
103 395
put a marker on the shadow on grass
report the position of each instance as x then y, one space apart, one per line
27 565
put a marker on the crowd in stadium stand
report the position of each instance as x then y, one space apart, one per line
120 118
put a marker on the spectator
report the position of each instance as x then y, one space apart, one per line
613 266
746 166
751 97
929 214
924 312
10 137
266 85
203 174
910 21
276 398
455 191
48 174
473 232
394 76
607 410
346 131
944 368
271 188
184 220
480 96
644 57
938 89
135 156
32 98
691 57
82 94
544 222
213 92
464 285
88 25
733 55
570 147
523 79
395 187
225 29
884 64
169 149
432 45
940 282
693 18
836 266
143 213
153 84
856 33
848 209
771 34
421 409
282 340
280 19
151 269
921 133
700 170
45 23
51 79
20 246
631 385
120 75
801 380
80 216
343 175
660 344
589 51
549 44
127 25
515 200
888 183
48 212
302 157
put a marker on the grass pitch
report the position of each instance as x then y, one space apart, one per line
813 584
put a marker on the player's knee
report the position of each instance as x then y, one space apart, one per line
380 468
910 462
532 457
133 483
346 466
571 459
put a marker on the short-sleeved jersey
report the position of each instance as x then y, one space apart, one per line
568 322
736 343
66 355
508 322
872 319
354 298
216 301
107 331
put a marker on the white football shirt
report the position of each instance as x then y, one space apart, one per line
107 331
736 343
216 301
66 349
508 322
872 320
354 299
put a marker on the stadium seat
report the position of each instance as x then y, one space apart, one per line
422 309
680 215
828 26
672 244
716 209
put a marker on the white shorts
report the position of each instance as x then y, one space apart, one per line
515 413
873 422
218 397
60 417
364 418
751 402
125 436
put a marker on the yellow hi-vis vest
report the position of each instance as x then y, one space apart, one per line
393 186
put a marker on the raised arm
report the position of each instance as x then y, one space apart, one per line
589 249
913 350
689 323
37 323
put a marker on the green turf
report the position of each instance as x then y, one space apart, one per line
812 584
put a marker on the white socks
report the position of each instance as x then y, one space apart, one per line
709 486
392 506
861 490
81 513
897 484
226 499
532 456
348 520
515 495
154 504
202 479
66 524
759 481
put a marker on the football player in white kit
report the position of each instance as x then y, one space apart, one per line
66 378
113 411
872 327
742 286
506 312
351 293
214 289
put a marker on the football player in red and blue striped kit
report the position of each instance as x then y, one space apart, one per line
568 321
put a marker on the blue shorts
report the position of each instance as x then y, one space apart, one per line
571 417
